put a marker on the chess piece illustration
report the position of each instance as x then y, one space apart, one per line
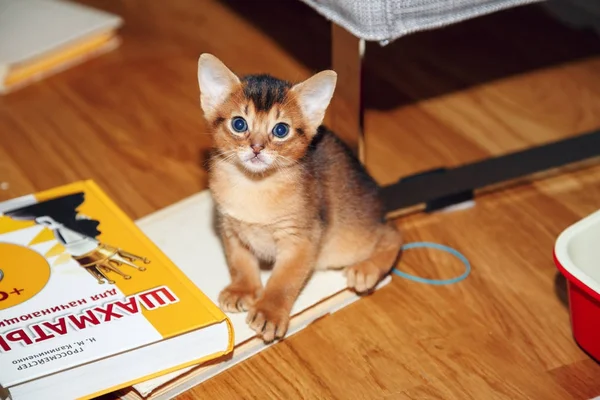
78 234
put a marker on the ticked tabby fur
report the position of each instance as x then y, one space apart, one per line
288 192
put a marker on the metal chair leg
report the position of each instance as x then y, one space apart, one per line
346 110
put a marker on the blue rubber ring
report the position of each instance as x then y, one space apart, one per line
450 250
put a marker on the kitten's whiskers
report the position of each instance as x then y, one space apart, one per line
222 157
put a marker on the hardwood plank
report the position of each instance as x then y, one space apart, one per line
579 379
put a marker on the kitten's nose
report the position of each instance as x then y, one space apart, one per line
256 148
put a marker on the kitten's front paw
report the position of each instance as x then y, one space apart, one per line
363 277
237 298
268 320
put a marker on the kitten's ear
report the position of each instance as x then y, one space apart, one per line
314 95
215 81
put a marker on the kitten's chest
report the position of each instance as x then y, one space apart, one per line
254 202
260 239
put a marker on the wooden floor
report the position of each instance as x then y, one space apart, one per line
130 120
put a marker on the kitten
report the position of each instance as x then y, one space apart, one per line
287 192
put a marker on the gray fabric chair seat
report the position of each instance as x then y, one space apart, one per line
388 20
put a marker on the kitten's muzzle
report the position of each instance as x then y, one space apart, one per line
255 161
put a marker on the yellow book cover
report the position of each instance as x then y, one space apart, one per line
88 304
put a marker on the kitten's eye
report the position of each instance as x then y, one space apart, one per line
239 124
281 130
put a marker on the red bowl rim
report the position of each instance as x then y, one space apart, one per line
562 257
574 280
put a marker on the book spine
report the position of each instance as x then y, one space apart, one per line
3 73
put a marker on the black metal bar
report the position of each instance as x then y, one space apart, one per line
442 187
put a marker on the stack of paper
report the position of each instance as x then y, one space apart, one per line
42 37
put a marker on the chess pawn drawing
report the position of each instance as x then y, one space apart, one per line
97 258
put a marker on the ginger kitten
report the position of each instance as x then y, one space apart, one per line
288 192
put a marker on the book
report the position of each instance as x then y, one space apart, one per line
39 38
89 304
185 231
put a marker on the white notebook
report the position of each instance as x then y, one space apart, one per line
185 233
40 35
